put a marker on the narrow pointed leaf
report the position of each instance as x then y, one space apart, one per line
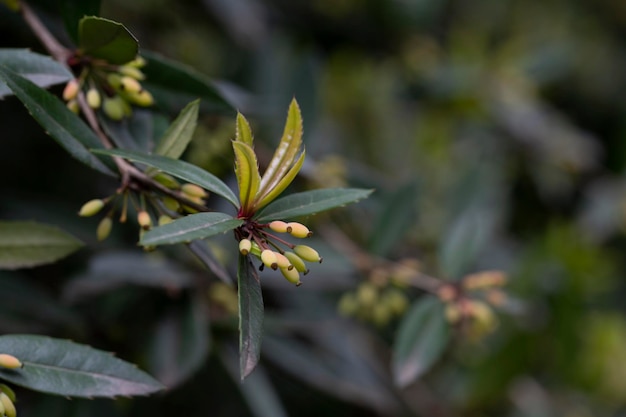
309 202
28 244
179 134
188 228
180 169
65 368
250 316
263 200
421 340
247 171
243 132
40 69
106 39
60 123
286 151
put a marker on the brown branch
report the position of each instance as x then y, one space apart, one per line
58 51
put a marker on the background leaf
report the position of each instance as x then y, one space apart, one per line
422 338
106 39
178 135
250 316
40 69
310 202
28 244
188 228
74 10
65 368
181 169
60 123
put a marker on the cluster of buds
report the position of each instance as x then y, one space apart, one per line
191 192
112 88
7 396
255 239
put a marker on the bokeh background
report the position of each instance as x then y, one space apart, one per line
496 126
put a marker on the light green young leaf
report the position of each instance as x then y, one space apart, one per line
179 134
180 169
243 133
61 124
250 316
188 228
282 184
106 39
69 369
421 340
309 202
40 69
28 244
247 172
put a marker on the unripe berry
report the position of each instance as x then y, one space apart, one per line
73 106
141 98
193 190
268 257
137 62
170 203
292 275
166 180
245 245
93 98
71 90
9 407
381 314
8 391
367 294
91 208
131 71
279 226
297 262
114 80
9 361
298 230
113 108
144 220
129 84
282 261
348 305
104 228
307 253
164 219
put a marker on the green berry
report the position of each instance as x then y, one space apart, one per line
91 208
307 253
292 275
104 228
297 262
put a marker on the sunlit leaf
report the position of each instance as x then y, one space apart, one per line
28 244
103 38
250 316
243 133
282 184
65 368
40 69
247 171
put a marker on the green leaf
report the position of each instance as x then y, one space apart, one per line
247 171
282 184
179 134
181 169
205 254
28 244
165 77
133 133
422 338
250 316
106 39
188 228
309 202
61 124
65 368
243 133
40 69
74 10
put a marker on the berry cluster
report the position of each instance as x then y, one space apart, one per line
7 396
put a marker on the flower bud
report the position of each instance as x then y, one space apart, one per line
144 220
279 226
9 361
268 257
141 98
193 190
73 106
104 228
307 253
113 108
91 208
282 261
93 98
297 262
9 407
292 275
298 230
129 84
71 90
166 180
164 219
245 245
132 71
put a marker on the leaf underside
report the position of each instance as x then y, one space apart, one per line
250 316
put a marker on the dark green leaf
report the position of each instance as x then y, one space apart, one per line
28 244
309 202
166 77
206 256
65 368
188 228
181 341
250 316
134 133
179 134
106 39
40 69
422 338
181 169
64 126
74 10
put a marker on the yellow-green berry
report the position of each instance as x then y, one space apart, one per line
367 294
73 106
129 84
307 253
292 275
137 62
91 208
245 246
164 219
8 391
166 180
104 228
298 230
71 90
114 80
93 98
141 98
144 220
9 361
297 262
348 304
279 226
131 71
268 257
9 407
193 190
170 203
113 108
282 261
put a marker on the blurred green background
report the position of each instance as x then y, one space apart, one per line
502 122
